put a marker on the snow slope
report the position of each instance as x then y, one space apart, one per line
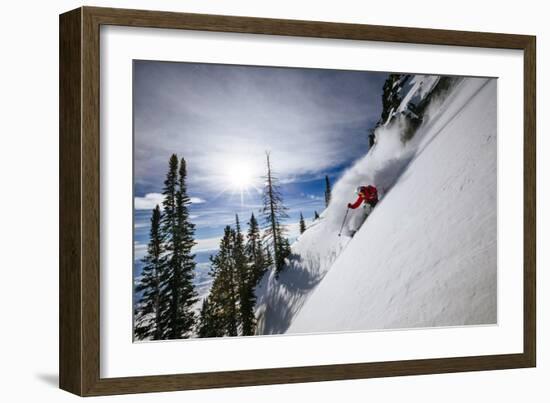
426 256
312 256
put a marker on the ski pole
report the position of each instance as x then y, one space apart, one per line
343 222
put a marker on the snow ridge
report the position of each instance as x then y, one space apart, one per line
421 258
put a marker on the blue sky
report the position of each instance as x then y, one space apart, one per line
223 118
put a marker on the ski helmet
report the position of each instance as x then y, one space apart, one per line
359 189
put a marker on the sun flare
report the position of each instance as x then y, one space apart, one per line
239 176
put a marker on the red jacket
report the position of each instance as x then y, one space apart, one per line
368 194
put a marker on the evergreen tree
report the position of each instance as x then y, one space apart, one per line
255 251
224 293
210 323
189 296
245 281
274 213
285 247
391 96
302 224
179 318
327 191
236 269
268 257
315 215
149 308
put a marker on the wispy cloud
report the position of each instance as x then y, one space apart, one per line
216 116
206 244
202 245
150 200
313 197
140 249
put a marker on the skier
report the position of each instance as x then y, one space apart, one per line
367 195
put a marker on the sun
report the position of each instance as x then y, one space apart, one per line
239 176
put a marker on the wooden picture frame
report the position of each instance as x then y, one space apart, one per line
79 348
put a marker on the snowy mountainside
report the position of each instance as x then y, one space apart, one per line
426 256
279 299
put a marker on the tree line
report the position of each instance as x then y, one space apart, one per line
165 309
236 270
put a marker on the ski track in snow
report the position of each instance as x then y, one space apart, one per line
426 256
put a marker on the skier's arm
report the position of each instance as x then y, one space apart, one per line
356 204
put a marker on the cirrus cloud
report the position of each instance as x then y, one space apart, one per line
150 200
217 116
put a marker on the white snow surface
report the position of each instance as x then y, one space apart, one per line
427 255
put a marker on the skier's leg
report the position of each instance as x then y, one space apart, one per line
372 204
352 223
367 208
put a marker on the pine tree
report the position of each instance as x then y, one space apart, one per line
315 215
171 237
224 293
285 247
149 308
302 224
274 213
269 261
255 251
328 191
210 323
189 294
236 270
391 96
245 281
179 318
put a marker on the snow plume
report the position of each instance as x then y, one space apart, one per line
380 167
389 157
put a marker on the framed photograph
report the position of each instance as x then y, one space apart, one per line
249 201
